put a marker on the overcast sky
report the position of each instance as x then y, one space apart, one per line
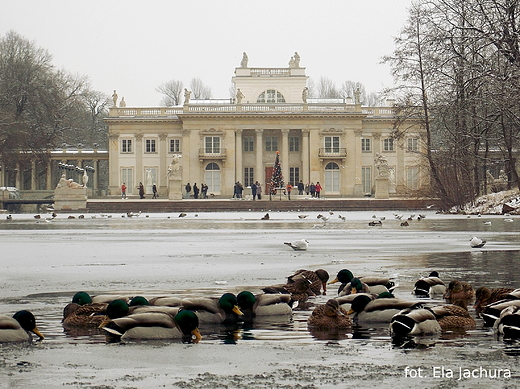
133 46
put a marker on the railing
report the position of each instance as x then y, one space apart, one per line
332 152
270 71
212 154
204 106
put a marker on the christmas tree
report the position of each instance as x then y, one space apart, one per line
276 178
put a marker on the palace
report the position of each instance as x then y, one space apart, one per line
336 142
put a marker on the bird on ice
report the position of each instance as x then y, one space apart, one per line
477 242
298 245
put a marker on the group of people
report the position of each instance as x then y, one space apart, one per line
256 190
202 191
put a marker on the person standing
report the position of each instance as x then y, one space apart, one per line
312 189
154 191
253 190
258 190
188 190
123 191
195 191
307 188
204 191
318 189
300 187
288 188
141 190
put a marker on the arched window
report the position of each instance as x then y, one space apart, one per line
212 174
332 178
270 96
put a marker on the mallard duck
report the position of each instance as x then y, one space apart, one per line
344 276
379 310
430 285
317 279
329 316
491 312
508 324
301 285
263 305
459 293
150 324
223 310
92 314
355 286
452 316
18 328
378 285
485 296
414 321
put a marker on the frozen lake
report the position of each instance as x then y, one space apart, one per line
45 262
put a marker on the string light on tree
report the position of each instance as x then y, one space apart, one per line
277 177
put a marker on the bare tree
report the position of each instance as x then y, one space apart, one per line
326 89
37 103
199 90
172 91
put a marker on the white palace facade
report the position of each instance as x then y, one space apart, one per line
334 142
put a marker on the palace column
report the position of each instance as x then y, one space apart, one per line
48 175
238 156
113 164
18 176
139 174
33 175
358 186
259 166
305 156
285 154
95 176
163 163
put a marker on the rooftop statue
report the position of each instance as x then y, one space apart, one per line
296 60
122 104
305 93
240 96
114 98
187 95
243 63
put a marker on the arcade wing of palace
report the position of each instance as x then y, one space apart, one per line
332 141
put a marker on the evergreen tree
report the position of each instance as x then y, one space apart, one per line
276 178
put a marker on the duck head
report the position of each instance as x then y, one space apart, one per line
27 322
188 322
82 298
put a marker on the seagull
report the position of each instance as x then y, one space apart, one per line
319 216
298 245
486 223
477 242
182 214
342 217
508 220
37 216
375 223
302 216
9 217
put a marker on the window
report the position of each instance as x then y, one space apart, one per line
150 146
413 144
366 145
294 143
294 175
332 178
331 144
412 177
270 96
126 146
212 174
248 143
271 143
127 178
388 144
175 145
248 176
366 180
212 145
